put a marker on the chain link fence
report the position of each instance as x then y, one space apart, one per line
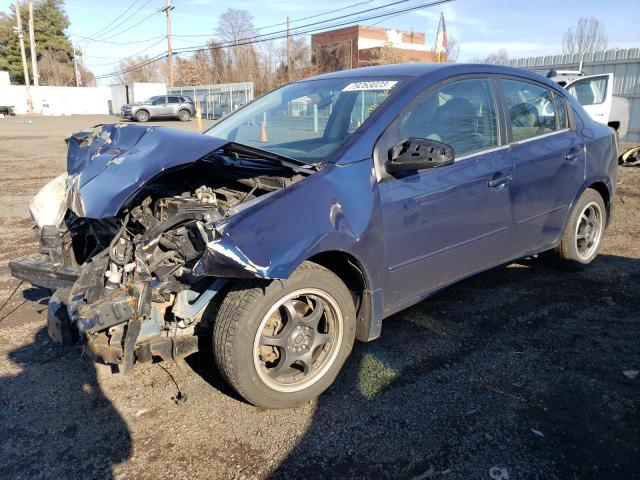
217 100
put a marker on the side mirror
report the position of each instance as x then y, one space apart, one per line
417 154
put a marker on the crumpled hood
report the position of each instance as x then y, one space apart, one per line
108 164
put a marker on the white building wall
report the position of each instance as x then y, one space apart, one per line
118 98
139 92
57 100
394 37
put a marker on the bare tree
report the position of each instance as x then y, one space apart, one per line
501 57
55 69
332 57
452 50
194 70
588 35
235 29
142 69
300 60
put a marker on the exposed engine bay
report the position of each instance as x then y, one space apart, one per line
138 283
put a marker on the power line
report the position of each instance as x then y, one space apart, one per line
114 20
249 40
115 27
135 24
262 35
100 38
127 58
328 12
252 40
118 43
239 43
379 7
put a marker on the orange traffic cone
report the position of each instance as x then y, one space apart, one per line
263 133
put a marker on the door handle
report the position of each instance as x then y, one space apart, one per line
573 154
498 182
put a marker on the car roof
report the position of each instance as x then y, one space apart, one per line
442 70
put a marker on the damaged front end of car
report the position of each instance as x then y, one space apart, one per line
132 238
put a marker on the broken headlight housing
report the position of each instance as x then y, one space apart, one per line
49 204
74 199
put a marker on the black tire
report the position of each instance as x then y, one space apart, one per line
184 115
237 344
580 241
142 116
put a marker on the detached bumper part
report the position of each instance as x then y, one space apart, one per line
59 326
38 270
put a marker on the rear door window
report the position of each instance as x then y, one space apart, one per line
174 100
461 114
530 109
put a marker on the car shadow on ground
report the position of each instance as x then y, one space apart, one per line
518 368
55 421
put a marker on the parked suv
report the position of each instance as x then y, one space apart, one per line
160 106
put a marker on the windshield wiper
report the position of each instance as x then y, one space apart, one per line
257 153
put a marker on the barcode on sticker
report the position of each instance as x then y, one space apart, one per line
379 85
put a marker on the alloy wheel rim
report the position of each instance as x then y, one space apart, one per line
298 340
588 230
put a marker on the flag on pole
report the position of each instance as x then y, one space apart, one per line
441 41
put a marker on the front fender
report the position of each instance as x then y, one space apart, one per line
335 209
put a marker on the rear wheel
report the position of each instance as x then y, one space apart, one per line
283 343
142 116
580 241
184 115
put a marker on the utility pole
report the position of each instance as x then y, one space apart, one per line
288 52
18 30
32 47
75 67
167 10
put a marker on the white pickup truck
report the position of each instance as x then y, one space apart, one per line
595 94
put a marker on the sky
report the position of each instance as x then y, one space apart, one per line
523 28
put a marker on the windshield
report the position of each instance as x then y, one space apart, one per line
306 120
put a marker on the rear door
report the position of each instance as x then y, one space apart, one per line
595 94
549 162
174 104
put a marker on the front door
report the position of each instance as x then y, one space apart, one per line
161 107
595 94
442 224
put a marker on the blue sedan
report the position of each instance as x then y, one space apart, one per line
299 222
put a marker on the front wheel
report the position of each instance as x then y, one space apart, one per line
142 116
580 241
283 343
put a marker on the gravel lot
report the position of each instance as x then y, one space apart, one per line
520 368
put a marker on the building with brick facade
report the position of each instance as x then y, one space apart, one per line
360 45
